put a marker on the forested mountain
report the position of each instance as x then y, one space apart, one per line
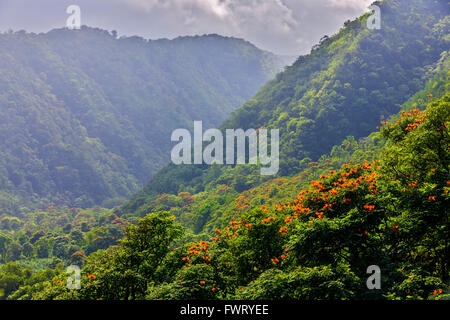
365 180
223 198
348 84
86 117
350 81
383 199
220 202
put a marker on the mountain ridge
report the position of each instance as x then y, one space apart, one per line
110 105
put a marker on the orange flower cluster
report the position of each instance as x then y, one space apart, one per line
201 247
418 120
277 261
322 197
268 220
233 225
432 198
412 113
319 215
283 230
289 219
318 185
349 180
242 203
222 189
415 184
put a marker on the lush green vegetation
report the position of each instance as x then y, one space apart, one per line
350 195
35 243
392 212
345 87
220 202
84 118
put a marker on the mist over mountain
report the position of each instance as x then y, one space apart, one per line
86 116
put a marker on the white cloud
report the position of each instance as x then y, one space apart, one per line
352 4
215 7
282 26
274 14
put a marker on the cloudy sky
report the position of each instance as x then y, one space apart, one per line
281 26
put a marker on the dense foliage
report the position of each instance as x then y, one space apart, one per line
392 212
358 198
37 242
348 83
84 117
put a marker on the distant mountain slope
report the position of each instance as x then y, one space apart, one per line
86 117
346 86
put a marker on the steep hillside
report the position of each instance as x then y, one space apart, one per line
86 117
345 86
349 82
220 202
